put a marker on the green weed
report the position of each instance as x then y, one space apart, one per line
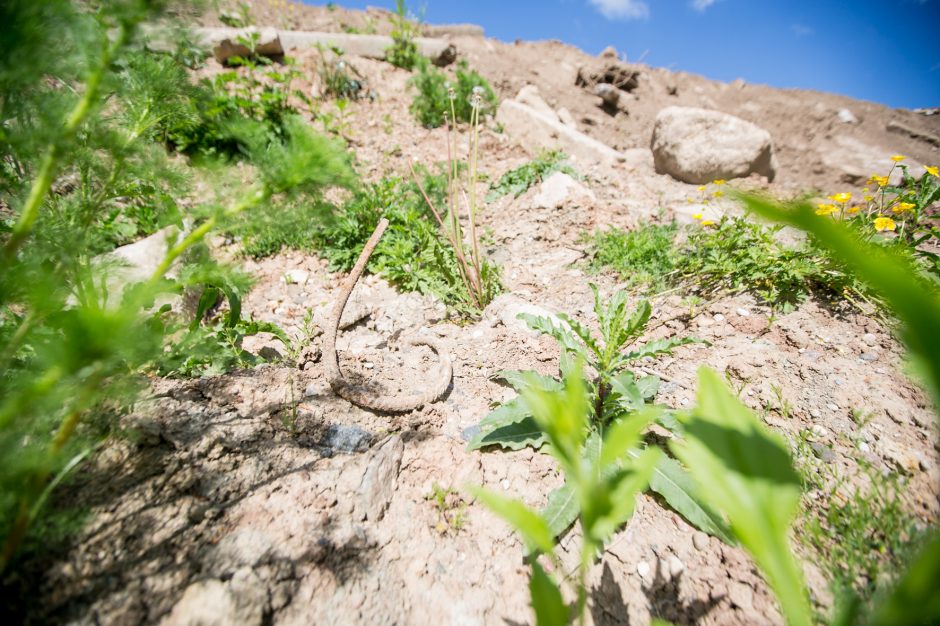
82 172
864 540
413 254
643 257
438 99
519 180
403 52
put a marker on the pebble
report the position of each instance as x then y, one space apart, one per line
815 414
505 484
819 431
719 317
742 312
864 447
368 365
832 407
868 356
643 569
296 277
870 339
700 540
676 566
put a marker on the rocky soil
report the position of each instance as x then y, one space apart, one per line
259 497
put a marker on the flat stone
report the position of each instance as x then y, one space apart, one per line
346 438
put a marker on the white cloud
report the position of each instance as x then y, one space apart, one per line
622 9
701 5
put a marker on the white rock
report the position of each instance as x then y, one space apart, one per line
565 117
719 317
225 42
864 447
847 117
819 430
698 145
560 189
296 277
700 540
530 96
676 566
643 569
742 312
534 131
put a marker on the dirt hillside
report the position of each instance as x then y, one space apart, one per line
260 497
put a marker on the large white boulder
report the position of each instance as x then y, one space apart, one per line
698 145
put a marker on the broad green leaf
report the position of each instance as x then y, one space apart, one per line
660 346
561 510
547 327
614 500
514 436
550 609
530 525
519 379
582 332
623 435
648 386
628 393
508 413
678 489
563 417
745 471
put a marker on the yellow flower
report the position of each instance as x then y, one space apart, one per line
701 187
719 181
825 209
897 158
932 170
884 223
868 197
841 198
697 216
708 223
718 193
881 181
901 207
854 210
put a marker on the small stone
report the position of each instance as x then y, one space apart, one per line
368 365
870 338
864 447
719 317
346 438
675 565
504 483
700 540
815 414
643 569
819 430
823 452
868 356
847 117
296 277
832 407
742 312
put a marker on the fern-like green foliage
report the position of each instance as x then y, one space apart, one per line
84 170
431 105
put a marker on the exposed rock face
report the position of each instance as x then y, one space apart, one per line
530 96
534 130
697 146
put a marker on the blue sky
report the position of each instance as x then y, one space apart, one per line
886 51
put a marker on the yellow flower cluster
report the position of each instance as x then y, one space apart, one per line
826 209
841 198
902 207
932 170
881 181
